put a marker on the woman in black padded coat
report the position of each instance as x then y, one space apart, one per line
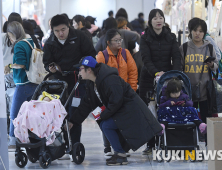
160 53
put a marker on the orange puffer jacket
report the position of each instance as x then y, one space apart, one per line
127 71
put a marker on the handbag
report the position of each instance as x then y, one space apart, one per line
196 88
214 93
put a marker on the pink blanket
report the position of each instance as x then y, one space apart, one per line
41 118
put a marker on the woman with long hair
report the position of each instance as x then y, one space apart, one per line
21 60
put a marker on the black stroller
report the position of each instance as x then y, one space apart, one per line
176 136
37 149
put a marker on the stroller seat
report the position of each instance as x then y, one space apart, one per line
177 136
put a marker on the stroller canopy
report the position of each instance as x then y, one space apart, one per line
53 87
170 74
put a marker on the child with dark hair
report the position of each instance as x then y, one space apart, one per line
176 107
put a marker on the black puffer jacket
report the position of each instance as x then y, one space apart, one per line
158 51
132 117
76 46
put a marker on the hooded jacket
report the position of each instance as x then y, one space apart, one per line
127 70
193 63
134 120
166 102
158 52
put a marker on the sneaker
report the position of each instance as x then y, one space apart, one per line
127 154
147 151
203 128
117 159
107 149
108 155
12 144
11 148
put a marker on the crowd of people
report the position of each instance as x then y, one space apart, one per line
114 74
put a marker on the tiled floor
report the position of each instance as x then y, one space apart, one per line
92 140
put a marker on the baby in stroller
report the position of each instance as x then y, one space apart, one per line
41 117
39 121
176 107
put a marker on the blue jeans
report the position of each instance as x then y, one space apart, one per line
109 129
22 93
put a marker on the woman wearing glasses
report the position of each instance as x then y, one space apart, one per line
160 53
115 56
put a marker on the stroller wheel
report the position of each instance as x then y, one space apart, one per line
21 159
45 160
32 159
78 153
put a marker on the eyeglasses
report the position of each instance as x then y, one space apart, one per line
81 68
118 41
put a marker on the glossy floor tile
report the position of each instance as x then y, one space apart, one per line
92 140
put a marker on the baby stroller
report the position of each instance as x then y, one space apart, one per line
176 136
37 149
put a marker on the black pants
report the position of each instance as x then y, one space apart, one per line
145 85
76 130
203 110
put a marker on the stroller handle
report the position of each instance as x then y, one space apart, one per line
73 91
62 73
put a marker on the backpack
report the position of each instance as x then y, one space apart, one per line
36 72
185 49
106 55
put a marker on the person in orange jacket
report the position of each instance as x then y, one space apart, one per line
115 56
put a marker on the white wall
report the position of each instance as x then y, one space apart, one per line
148 5
133 7
94 8
9 6
97 8
52 8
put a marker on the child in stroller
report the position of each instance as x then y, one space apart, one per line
42 117
176 107
38 148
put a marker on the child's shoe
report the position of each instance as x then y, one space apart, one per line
161 133
203 128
